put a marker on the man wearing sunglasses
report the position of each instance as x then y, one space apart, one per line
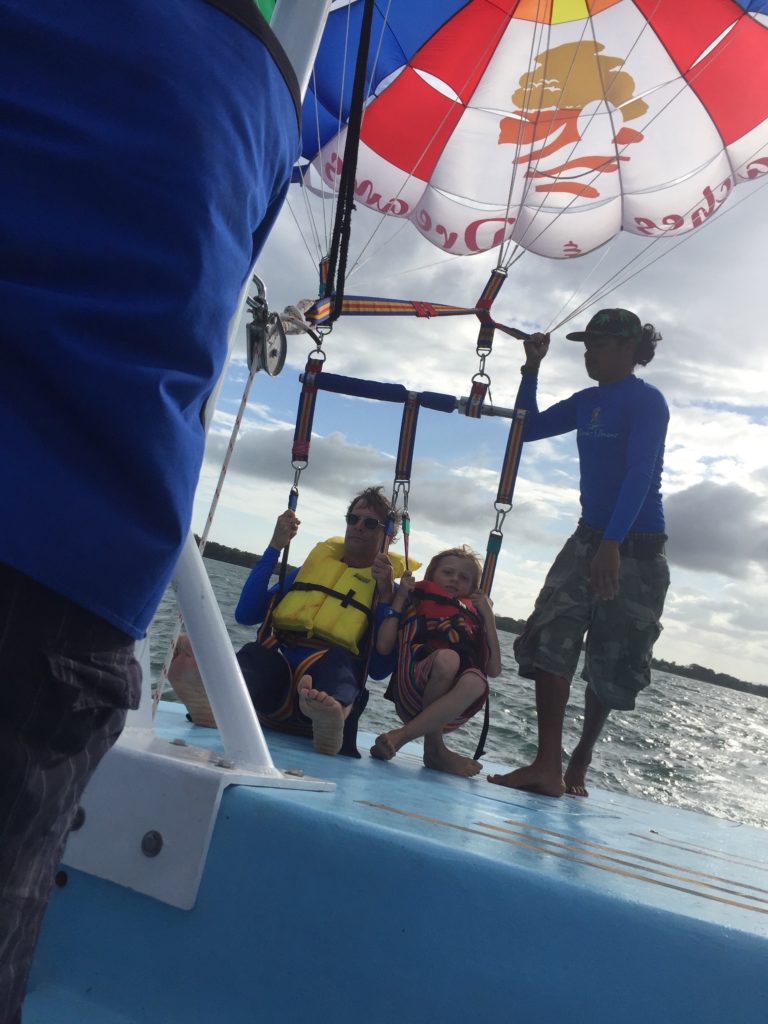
306 670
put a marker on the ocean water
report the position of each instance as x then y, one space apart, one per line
688 744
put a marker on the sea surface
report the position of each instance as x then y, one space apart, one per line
688 743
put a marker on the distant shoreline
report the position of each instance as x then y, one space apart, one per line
246 559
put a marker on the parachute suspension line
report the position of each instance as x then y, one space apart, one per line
617 280
515 256
607 85
319 146
417 160
403 463
313 229
610 286
503 506
606 250
339 125
538 30
692 72
337 260
359 262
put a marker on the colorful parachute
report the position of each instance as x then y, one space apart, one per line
550 123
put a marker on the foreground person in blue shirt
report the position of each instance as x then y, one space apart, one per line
146 149
610 580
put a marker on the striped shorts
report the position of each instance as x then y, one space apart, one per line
67 678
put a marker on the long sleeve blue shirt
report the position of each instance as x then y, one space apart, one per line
620 433
257 594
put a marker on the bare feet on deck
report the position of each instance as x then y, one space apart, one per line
533 779
385 746
441 759
436 755
576 776
184 676
326 714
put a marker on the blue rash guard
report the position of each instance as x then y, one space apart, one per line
254 602
621 429
146 150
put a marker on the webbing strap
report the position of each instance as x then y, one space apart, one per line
407 436
492 288
306 411
347 600
474 406
369 305
492 550
511 461
480 750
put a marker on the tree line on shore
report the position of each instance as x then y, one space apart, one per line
234 556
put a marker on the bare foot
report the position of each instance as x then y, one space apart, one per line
533 779
441 759
384 748
575 777
327 716
184 676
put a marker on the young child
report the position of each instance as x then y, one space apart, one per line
447 647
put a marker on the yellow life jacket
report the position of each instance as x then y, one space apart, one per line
329 600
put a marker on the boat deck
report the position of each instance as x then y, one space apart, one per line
406 894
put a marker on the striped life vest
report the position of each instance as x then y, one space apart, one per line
435 620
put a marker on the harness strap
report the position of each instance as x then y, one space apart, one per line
419 597
480 750
347 600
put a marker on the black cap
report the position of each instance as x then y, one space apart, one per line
611 323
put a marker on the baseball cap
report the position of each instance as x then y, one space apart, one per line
611 323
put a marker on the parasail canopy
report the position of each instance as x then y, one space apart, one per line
552 124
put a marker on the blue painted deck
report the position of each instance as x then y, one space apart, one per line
407 895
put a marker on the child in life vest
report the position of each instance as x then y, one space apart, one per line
447 647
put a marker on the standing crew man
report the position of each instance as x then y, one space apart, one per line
611 577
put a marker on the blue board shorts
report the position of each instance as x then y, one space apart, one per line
272 674
620 633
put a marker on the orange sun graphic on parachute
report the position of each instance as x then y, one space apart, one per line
557 102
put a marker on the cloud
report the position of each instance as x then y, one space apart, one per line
717 528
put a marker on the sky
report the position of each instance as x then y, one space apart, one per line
706 297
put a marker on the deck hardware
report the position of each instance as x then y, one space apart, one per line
179 742
224 762
151 843
298 772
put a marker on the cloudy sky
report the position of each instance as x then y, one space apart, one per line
707 297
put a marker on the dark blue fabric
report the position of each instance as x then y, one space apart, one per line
147 148
383 392
621 429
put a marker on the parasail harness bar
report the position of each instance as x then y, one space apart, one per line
381 391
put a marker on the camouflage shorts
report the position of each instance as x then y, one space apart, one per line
620 633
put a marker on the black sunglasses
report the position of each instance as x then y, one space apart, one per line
368 521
